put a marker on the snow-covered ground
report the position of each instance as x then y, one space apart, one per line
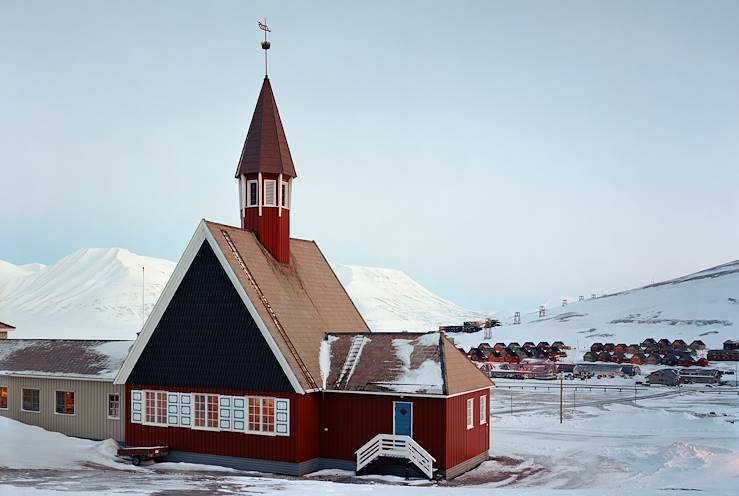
667 440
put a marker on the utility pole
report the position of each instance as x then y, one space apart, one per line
511 396
561 398
574 401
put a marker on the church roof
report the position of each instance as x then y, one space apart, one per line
306 297
266 149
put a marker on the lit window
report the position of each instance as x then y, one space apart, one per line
470 413
270 190
255 414
156 407
261 414
3 398
114 406
251 193
483 410
206 411
31 400
64 404
285 195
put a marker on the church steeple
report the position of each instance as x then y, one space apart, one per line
265 176
266 172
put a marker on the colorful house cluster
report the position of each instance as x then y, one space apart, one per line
515 353
649 352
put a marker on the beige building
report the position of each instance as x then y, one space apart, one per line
64 385
4 328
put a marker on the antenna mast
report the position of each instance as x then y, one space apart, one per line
143 293
265 44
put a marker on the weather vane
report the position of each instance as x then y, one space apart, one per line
265 44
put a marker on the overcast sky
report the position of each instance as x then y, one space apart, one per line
500 153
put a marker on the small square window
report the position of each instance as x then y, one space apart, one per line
3 398
114 406
31 400
64 404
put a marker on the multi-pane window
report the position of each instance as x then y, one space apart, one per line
206 411
31 400
261 414
156 407
470 413
114 406
285 192
483 410
3 398
64 403
252 196
270 193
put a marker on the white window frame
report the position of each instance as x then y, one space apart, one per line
144 408
261 431
206 411
118 408
7 397
483 410
23 391
285 195
74 396
470 413
267 184
249 195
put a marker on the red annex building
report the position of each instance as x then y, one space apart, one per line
255 357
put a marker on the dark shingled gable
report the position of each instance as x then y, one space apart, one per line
206 338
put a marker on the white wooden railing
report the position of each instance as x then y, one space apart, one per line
396 447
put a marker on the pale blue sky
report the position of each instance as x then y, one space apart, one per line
498 152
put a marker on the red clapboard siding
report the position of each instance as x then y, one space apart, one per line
271 228
462 443
350 420
301 445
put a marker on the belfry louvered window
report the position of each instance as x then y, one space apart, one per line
270 193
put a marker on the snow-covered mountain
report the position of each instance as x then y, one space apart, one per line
96 294
389 300
703 305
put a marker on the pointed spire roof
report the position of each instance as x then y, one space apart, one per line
265 149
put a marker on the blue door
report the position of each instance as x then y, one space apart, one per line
403 418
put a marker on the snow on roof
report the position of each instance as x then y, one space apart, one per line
410 363
77 359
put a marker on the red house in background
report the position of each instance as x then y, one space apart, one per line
255 357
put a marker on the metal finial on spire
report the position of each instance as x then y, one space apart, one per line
265 44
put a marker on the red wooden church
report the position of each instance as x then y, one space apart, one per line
255 357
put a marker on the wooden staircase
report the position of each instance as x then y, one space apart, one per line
392 446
